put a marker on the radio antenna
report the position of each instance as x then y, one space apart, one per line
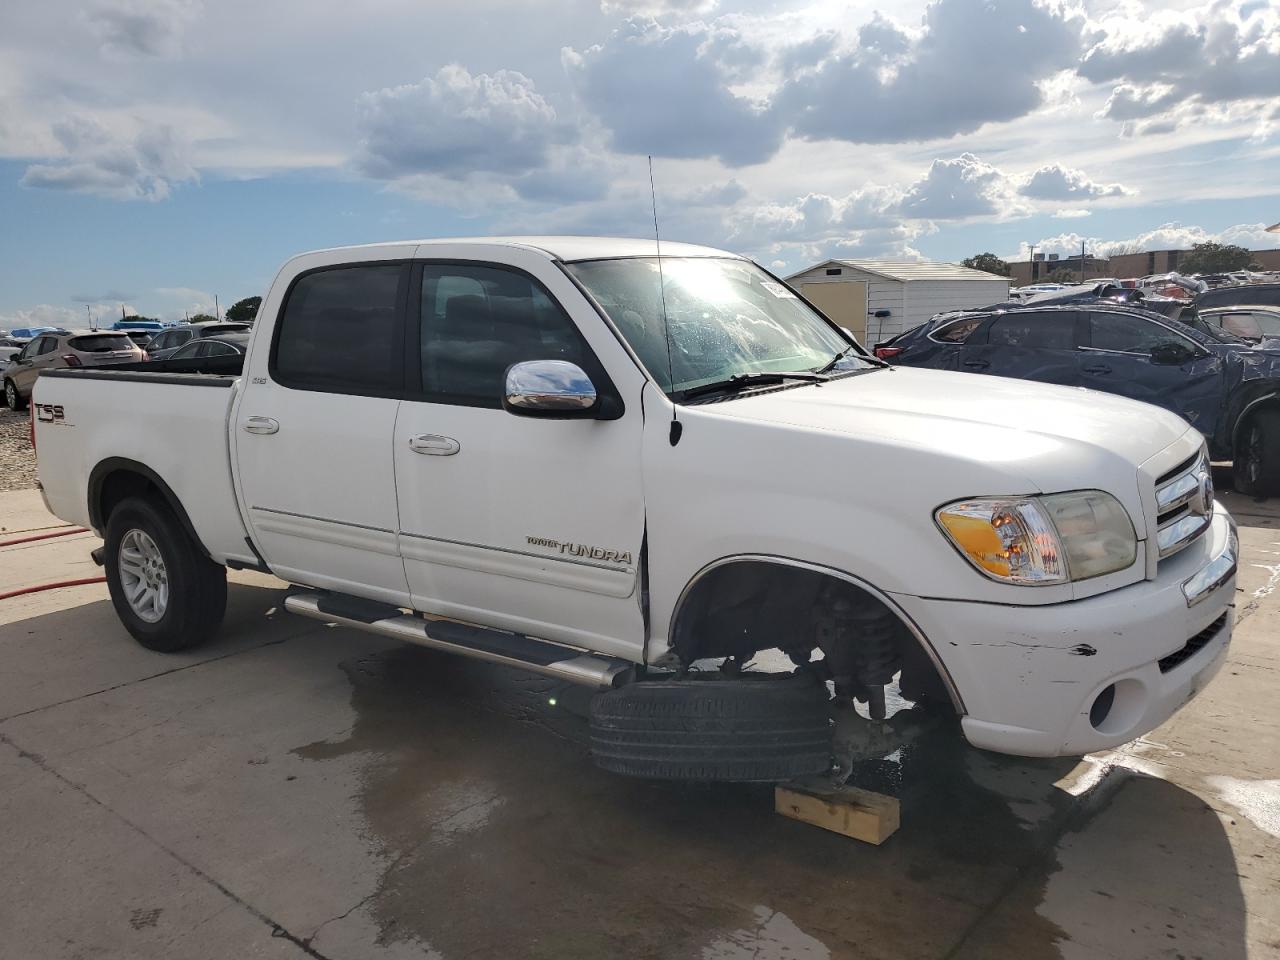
676 427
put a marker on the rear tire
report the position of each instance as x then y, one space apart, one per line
158 550
1256 469
755 727
12 398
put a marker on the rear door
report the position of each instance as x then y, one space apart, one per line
313 428
1117 358
1026 344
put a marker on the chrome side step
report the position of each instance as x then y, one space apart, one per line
495 646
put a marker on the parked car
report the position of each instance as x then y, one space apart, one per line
52 351
9 348
1228 389
1104 291
1240 295
29 333
605 469
167 341
141 337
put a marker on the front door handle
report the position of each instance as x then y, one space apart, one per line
261 425
434 445
977 364
1097 368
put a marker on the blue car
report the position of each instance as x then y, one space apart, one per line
1229 389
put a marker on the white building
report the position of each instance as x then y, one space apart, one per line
875 299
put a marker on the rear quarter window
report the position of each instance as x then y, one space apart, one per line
957 331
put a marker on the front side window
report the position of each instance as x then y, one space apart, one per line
46 345
477 321
723 317
339 331
1127 334
1037 331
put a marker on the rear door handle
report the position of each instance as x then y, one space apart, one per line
434 445
261 425
977 364
1097 368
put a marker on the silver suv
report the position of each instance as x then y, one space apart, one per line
49 351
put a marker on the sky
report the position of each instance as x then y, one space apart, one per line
155 154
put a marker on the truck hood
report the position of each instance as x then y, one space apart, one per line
1037 429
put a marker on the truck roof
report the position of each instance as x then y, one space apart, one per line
567 249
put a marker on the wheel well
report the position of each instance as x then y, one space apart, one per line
1271 402
741 607
115 480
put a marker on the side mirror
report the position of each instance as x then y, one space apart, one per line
1171 354
554 389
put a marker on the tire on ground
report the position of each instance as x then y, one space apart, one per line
197 585
12 398
756 727
1256 470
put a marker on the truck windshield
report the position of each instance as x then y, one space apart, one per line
725 318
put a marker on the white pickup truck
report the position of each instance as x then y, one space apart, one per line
636 473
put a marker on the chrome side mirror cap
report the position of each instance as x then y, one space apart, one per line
549 388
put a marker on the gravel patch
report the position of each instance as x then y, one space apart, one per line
17 459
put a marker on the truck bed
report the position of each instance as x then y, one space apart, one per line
174 424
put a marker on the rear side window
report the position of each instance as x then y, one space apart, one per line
1042 331
959 331
1126 334
477 321
340 331
101 343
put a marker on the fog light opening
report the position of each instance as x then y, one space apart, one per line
1102 704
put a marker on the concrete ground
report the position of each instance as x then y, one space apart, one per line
297 790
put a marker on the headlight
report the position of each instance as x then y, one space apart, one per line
1042 540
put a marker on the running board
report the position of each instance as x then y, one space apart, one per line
495 646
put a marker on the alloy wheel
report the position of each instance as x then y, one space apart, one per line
143 576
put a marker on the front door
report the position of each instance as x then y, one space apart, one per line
313 430
522 524
1117 359
37 355
1027 344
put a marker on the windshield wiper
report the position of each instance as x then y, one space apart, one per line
830 364
740 381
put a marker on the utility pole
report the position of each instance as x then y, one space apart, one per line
1082 261
88 314
217 311
1031 258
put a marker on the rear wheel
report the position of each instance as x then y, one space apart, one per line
165 591
1256 470
753 727
12 398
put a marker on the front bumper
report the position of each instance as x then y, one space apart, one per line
1031 676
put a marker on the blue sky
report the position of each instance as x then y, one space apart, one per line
154 153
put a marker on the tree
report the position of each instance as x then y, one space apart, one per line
243 311
1061 275
203 318
1211 257
988 262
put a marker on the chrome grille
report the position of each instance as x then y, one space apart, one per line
1184 504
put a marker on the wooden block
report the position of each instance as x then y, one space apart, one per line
860 814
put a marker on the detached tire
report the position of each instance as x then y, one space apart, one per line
165 591
1255 471
756 727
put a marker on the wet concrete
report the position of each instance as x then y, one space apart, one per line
298 790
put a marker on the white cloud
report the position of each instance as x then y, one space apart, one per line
1168 236
457 123
1057 182
141 28
1070 213
140 164
959 188
657 8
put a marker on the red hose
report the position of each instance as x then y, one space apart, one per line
43 536
52 586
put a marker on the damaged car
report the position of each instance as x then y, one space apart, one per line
1227 388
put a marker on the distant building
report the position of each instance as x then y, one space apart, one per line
1122 266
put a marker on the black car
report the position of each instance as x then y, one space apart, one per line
1228 389
166 342
1242 294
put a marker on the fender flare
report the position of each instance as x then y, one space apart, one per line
112 465
1240 417
912 627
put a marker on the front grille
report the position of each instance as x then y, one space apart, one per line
1194 645
1184 504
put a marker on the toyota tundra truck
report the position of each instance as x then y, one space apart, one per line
641 468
